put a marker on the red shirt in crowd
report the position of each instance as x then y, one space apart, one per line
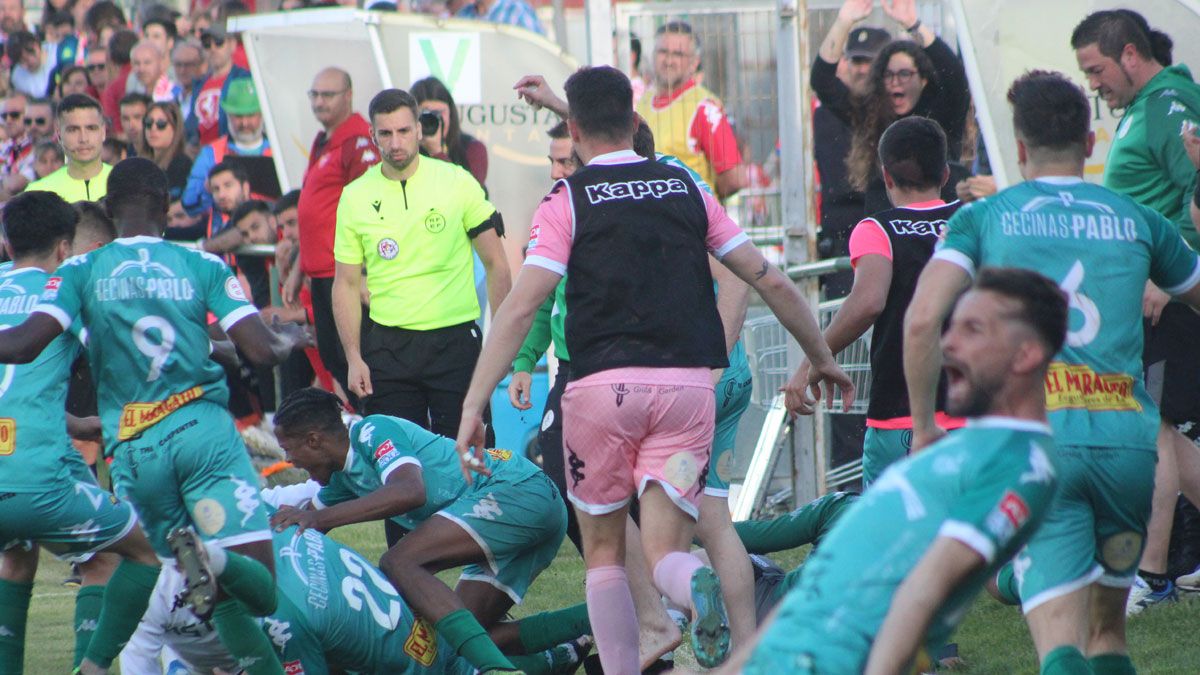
110 100
335 160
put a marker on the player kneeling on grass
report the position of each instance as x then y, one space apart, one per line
505 528
934 527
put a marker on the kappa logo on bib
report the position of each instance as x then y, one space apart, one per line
388 249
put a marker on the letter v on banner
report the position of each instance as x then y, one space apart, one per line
452 58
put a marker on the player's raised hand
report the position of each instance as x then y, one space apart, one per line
903 12
287 516
853 11
518 390
534 90
1191 143
469 445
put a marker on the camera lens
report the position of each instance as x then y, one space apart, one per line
430 122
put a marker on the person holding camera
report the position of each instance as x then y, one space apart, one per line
442 134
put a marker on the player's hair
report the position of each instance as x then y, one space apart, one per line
643 139
1043 303
238 171
290 200
391 100
913 152
1111 30
677 28
1050 113
248 207
600 101
559 131
36 220
78 102
94 222
310 409
137 183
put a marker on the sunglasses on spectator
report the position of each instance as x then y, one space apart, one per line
39 121
97 66
900 76
209 41
156 124
13 114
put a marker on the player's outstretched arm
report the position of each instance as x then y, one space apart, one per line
943 567
264 346
785 300
509 325
403 492
939 285
23 343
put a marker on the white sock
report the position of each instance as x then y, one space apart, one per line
216 558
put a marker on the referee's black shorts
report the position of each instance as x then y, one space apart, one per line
421 375
1173 363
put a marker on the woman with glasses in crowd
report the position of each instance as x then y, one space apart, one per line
920 76
163 137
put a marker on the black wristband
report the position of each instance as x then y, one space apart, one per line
913 28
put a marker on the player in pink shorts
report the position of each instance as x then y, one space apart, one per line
630 426
633 238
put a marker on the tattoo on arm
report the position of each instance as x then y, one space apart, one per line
762 272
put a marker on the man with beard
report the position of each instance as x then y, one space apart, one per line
1075 574
246 138
929 532
412 221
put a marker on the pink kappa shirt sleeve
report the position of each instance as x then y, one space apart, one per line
551 234
869 238
724 235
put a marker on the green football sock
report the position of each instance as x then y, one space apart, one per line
1065 660
126 597
249 581
14 611
1112 664
1006 583
471 641
245 639
550 629
88 602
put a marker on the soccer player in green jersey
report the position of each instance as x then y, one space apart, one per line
163 403
506 528
49 495
899 570
1102 247
1129 65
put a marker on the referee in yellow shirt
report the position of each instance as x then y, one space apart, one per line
84 178
411 221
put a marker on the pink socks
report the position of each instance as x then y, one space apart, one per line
614 621
673 576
